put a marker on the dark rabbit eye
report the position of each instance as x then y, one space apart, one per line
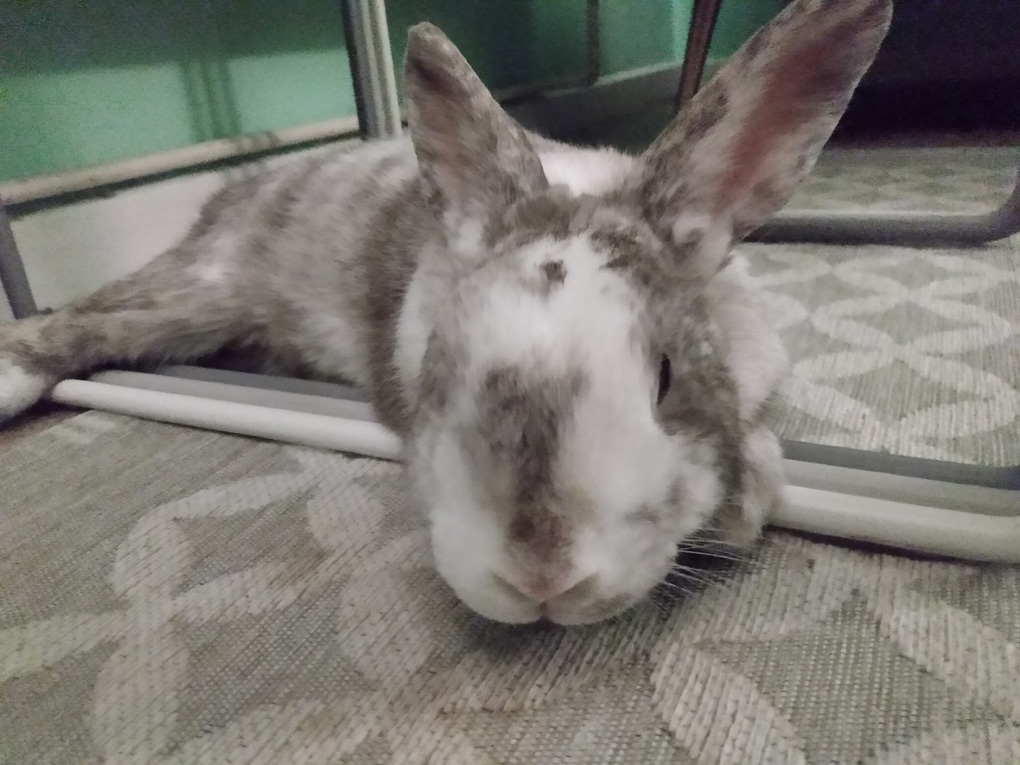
665 378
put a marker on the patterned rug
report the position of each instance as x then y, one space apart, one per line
177 596
901 350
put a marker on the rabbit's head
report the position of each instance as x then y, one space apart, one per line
576 421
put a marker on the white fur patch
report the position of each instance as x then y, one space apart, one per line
575 322
214 273
216 266
332 340
467 543
19 388
465 238
586 171
416 322
713 236
754 352
764 489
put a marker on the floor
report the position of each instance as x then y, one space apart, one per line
38 419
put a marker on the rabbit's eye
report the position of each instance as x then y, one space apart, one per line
665 378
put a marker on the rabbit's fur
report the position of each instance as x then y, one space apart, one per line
577 362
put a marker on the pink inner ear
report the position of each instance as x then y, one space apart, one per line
801 88
440 102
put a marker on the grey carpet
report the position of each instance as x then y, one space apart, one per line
178 596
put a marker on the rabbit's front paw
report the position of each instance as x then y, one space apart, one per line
20 387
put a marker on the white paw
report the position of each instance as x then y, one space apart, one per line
19 388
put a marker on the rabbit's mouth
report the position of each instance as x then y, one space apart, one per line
569 614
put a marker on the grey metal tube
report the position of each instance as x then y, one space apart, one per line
12 272
372 68
912 230
355 62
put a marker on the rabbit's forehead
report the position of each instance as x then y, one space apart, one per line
556 303
599 233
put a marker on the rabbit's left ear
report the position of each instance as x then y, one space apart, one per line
472 155
736 154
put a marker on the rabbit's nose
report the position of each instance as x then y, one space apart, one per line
543 589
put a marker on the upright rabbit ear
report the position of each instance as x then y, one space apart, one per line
736 154
471 154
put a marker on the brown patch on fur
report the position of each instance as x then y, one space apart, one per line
551 275
623 245
521 422
613 226
388 272
278 214
542 532
222 201
544 215
438 365
707 112
555 272
767 414
636 252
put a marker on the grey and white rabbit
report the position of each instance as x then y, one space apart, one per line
577 363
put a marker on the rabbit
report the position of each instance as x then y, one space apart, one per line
576 359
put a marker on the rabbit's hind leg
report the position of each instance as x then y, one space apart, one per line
176 308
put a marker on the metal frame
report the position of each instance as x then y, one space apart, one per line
908 229
704 16
375 84
12 272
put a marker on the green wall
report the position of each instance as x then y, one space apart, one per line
84 82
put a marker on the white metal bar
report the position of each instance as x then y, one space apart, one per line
322 431
961 529
911 490
931 530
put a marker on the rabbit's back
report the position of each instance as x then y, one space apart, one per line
321 252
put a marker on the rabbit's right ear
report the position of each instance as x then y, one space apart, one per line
738 151
471 154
